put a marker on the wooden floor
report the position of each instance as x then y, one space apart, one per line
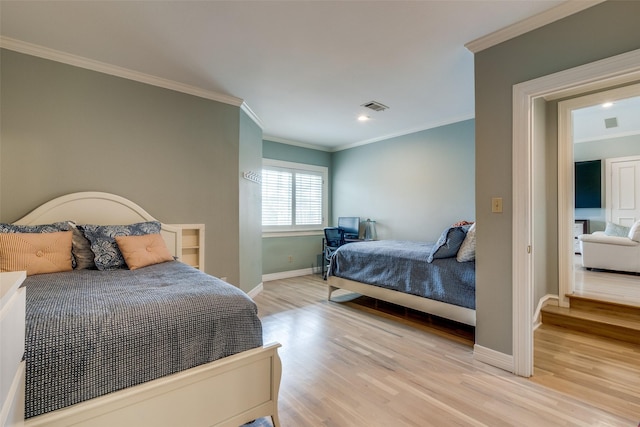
346 364
606 285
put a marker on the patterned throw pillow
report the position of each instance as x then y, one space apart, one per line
467 251
35 253
616 230
103 241
141 251
449 243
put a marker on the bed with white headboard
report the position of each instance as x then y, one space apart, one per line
229 391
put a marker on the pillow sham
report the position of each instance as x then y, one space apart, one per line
467 251
40 228
107 256
449 243
616 230
141 251
37 253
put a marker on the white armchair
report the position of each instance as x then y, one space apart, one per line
612 252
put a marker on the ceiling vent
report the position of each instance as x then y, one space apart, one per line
375 106
611 122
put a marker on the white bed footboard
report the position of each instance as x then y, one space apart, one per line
227 393
438 308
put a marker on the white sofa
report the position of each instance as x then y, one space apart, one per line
612 252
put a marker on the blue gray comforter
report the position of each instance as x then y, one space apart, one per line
89 332
403 266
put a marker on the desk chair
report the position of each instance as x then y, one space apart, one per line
333 239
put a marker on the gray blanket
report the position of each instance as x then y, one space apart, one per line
89 332
403 266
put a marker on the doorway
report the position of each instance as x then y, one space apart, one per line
574 115
614 71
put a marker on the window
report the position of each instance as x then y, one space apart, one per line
294 196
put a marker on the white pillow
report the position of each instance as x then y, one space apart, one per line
467 251
634 231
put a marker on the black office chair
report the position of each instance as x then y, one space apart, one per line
333 239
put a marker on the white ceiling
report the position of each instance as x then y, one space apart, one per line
589 123
302 67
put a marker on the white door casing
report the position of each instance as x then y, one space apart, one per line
617 70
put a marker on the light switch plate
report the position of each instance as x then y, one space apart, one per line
496 205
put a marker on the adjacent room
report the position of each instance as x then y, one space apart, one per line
264 213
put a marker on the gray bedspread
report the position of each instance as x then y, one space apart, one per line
403 266
89 332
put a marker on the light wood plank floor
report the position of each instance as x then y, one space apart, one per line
606 285
345 365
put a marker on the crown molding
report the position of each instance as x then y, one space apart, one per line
458 119
540 20
296 143
253 116
102 67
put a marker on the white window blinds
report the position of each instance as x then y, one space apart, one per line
293 198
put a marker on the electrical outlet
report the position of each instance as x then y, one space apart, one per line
496 205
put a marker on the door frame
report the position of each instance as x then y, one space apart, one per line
566 181
616 70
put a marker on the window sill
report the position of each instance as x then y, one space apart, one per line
266 234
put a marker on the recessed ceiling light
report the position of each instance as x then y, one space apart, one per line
363 118
607 105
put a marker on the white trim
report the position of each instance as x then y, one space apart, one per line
114 70
303 168
255 291
522 229
269 234
493 358
607 72
543 301
295 143
252 115
286 274
540 20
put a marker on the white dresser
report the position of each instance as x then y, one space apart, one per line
12 330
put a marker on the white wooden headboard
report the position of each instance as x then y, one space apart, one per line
92 207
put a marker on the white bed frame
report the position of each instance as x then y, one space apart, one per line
228 392
438 308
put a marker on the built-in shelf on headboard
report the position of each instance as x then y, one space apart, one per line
192 245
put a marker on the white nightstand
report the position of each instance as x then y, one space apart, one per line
12 331
580 226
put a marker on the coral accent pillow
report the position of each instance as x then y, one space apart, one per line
141 251
37 253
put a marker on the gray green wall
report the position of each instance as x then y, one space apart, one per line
66 129
596 33
250 202
304 250
413 186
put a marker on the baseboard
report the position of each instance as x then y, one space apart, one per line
537 320
493 358
287 274
255 291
